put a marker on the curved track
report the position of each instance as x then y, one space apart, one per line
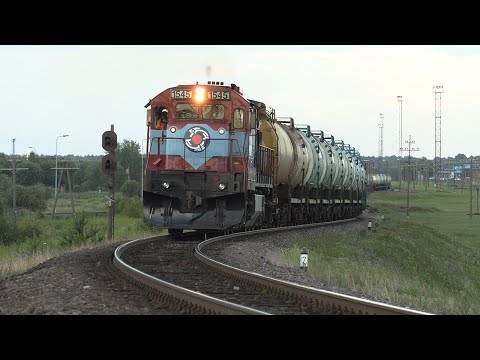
169 268
192 302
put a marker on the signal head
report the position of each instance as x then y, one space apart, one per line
109 164
109 141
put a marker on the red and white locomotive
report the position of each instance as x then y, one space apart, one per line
217 161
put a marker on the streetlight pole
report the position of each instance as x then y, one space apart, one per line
56 162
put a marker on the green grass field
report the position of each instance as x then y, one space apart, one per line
91 201
53 237
428 261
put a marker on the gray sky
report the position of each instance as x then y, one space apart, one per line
46 91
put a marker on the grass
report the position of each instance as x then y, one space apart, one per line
91 201
429 261
49 240
19 263
446 210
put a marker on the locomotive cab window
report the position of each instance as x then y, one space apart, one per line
238 118
215 112
160 117
186 111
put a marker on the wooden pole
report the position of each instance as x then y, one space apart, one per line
71 192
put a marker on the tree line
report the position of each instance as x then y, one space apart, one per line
36 185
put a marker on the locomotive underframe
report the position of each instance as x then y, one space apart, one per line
194 201
310 204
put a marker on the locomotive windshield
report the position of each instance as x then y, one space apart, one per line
208 112
213 112
186 111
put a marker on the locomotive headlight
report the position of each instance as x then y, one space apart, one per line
199 94
221 131
165 184
173 129
221 187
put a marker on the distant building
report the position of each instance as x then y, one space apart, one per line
471 175
30 149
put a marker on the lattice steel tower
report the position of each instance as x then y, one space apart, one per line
380 137
400 137
438 90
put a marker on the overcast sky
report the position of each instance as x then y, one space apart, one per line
47 91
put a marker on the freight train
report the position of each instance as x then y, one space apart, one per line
216 161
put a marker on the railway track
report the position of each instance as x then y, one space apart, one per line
181 271
164 267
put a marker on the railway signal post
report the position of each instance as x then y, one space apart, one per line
109 167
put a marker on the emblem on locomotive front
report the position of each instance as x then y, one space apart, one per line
197 139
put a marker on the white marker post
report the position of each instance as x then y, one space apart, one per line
304 259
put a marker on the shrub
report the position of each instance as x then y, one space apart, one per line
8 232
30 227
33 197
31 246
131 188
132 207
5 188
80 232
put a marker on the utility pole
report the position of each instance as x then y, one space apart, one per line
14 170
56 164
438 90
409 142
477 201
471 185
64 167
380 137
400 139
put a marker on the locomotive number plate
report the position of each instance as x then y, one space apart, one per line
219 95
181 94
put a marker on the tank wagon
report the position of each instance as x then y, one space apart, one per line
378 182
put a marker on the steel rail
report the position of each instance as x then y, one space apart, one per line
206 302
347 303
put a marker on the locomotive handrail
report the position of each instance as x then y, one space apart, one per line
160 139
264 165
